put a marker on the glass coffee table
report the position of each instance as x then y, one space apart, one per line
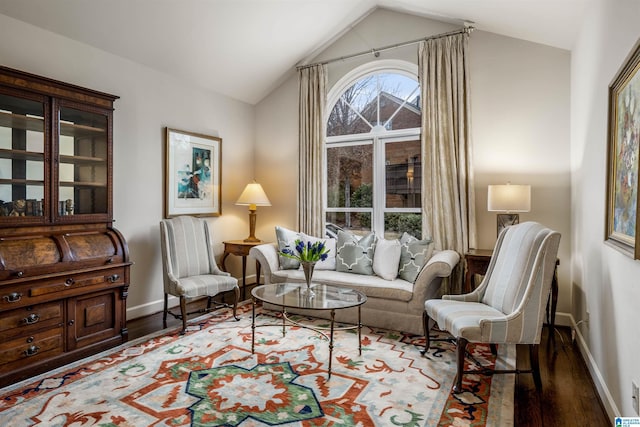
325 297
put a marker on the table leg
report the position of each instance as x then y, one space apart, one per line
284 317
222 261
333 319
244 277
359 332
253 325
468 280
554 298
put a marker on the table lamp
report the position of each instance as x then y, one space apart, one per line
252 196
508 199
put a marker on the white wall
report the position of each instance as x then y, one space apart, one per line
605 281
520 124
520 119
148 102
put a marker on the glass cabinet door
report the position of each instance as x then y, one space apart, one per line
22 159
83 166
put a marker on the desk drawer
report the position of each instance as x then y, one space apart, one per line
30 349
34 292
28 319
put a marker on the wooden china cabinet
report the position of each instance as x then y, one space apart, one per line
64 269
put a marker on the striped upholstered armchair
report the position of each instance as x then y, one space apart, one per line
189 266
508 306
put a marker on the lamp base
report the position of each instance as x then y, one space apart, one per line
252 227
505 220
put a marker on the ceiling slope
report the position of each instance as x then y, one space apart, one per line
243 48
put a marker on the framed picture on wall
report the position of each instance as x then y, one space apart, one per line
192 184
623 152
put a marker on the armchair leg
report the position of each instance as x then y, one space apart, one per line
235 302
535 365
166 309
461 348
425 325
183 313
494 349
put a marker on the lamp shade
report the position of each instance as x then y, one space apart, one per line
253 194
509 198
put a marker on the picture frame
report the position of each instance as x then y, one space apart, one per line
623 152
193 174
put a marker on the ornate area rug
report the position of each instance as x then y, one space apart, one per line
208 377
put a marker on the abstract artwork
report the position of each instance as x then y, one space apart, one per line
192 174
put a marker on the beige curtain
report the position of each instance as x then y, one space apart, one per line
448 198
312 100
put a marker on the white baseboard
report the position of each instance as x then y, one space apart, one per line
150 308
157 306
596 376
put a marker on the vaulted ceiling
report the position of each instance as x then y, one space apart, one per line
242 48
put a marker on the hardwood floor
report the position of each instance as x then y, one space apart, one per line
568 396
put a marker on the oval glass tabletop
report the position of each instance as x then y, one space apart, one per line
294 295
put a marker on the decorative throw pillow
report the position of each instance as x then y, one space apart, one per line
386 258
287 240
414 254
355 255
330 245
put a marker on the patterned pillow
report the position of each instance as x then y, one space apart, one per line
355 255
287 240
414 254
330 244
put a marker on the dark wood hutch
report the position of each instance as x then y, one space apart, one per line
64 268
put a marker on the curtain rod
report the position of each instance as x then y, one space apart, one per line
376 51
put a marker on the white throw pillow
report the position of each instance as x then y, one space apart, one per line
386 258
330 244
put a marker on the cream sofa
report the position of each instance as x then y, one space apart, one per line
391 304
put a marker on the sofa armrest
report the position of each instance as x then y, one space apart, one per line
267 255
427 284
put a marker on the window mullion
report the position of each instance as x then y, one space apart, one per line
378 186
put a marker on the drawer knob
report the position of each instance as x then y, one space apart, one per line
13 297
19 273
69 281
32 350
114 278
31 319
110 260
71 322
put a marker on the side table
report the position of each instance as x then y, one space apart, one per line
477 263
240 248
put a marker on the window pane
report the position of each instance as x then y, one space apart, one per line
403 174
399 105
83 169
358 223
22 138
388 99
350 176
397 223
344 121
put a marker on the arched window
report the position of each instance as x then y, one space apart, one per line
373 152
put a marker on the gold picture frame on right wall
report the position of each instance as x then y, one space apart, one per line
623 153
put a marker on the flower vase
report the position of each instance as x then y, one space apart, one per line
307 267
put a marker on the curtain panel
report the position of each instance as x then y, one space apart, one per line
312 101
448 187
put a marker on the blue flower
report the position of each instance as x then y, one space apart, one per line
312 252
